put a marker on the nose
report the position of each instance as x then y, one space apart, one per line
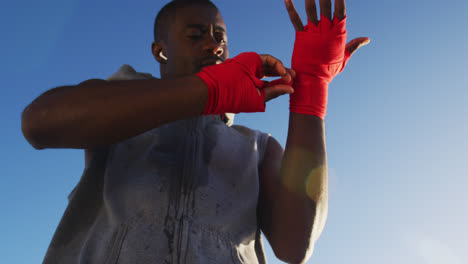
212 46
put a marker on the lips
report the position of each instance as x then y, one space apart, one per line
211 61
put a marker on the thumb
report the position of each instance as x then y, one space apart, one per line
356 43
273 91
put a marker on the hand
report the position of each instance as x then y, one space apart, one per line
320 53
272 67
236 86
325 10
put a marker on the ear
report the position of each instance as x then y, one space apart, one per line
156 49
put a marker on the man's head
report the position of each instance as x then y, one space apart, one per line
191 34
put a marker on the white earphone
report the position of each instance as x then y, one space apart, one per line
162 56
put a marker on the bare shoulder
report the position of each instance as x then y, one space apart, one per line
269 169
269 179
273 153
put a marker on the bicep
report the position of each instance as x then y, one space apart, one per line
269 177
32 123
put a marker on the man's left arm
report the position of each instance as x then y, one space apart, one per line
293 202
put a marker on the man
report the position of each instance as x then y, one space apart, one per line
166 181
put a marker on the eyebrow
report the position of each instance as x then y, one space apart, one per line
203 27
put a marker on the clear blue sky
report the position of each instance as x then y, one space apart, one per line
396 124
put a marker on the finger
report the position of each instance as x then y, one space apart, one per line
293 15
340 9
291 72
274 91
325 8
356 43
274 67
311 10
276 82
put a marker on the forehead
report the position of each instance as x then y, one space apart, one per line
198 14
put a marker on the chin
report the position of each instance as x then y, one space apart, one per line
198 69
206 65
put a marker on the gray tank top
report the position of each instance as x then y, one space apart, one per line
185 192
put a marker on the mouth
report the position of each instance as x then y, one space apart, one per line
211 61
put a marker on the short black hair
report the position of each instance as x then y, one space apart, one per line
168 12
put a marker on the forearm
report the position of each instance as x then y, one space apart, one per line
94 114
302 203
97 113
304 167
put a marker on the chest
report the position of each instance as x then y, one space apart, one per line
206 173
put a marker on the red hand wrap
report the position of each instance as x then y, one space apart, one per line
319 55
232 85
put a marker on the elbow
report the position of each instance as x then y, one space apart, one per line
294 238
31 128
293 253
293 246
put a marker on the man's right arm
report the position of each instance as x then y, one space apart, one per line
97 113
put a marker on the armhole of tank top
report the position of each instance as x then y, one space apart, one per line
262 142
93 155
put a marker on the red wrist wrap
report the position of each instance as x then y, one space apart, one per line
232 85
319 55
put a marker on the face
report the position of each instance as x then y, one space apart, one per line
196 39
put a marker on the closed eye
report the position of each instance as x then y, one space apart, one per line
197 32
220 37
194 33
